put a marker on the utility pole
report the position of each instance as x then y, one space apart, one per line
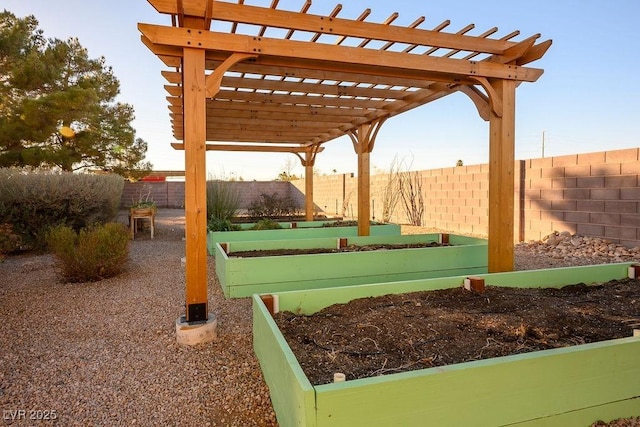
543 144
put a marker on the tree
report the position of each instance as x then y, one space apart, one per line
47 85
288 173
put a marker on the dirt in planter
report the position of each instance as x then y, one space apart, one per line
348 248
395 333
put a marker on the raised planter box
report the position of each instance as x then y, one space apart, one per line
242 277
573 386
295 230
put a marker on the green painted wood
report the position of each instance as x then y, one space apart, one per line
292 395
563 387
288 224
250 289
333 242
585 417
241 277
320 242
558 277
214 237
311 301
221 270
495 392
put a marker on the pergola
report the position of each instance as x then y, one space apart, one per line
250 78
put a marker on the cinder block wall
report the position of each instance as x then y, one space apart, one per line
166 194
595 194
171 194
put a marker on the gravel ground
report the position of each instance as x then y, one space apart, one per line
105 353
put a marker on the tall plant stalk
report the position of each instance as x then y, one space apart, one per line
223 201
410 184
391 193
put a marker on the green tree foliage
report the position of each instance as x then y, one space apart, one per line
47 84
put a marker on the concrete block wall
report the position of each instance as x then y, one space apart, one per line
595 194
170 194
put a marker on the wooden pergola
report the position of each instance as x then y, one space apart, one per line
250 78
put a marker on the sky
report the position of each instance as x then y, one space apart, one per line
587 100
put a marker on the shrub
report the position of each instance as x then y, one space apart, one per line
223 202
217 224
272 206
266 224
32 202
9 240
95 253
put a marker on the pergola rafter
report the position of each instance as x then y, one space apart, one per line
274 80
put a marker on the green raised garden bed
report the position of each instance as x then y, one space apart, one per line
572 386
295 230
242 277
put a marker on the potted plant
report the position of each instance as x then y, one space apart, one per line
144 204
143 207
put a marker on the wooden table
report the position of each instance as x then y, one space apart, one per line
136 214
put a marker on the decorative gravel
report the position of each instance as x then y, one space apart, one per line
105 353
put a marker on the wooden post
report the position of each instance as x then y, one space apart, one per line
194 86
501 178
364 187
309 161
363 141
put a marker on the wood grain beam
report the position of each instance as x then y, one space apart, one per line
195 186
287 49
306 88
501 180
274 18
249 148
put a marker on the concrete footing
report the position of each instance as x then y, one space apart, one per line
196 333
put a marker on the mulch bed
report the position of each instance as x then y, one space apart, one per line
395 333
348 248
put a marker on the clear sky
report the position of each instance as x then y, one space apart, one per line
587 100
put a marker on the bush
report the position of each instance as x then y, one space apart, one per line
223 202
9 240
266 224
95 253
272 206
217 224
32 202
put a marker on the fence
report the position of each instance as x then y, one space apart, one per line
594 194
170 194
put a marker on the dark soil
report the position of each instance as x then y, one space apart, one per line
348 248
394 333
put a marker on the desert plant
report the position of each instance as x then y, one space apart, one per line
218 224
94 253
410 184
223 201
9 240
34 201
272 206
266 224
391 194
144 199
